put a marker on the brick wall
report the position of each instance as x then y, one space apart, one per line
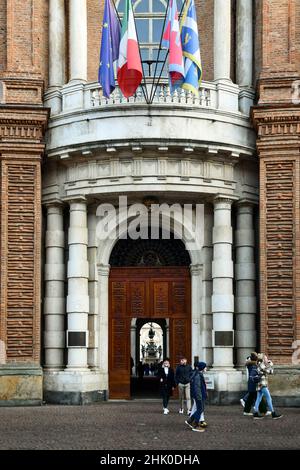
94 14
23 74
205 18
23 50
2 35
297 37
278 126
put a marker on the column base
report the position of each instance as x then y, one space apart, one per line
225 386
75 398
21 385
284 385
74 387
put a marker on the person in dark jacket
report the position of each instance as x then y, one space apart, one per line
183 377
167 383
251 365
199 395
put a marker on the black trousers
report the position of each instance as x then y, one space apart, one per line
251 400
165 393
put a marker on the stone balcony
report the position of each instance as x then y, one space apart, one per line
83 119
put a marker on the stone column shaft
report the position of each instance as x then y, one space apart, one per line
57 31
196 278
244 43
207 251
54 306
245 299
93 291
78 274
222 275
222 39
103 276
78 40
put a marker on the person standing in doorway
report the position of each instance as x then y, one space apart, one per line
183 377
167 383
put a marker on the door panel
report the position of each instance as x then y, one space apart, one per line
146 293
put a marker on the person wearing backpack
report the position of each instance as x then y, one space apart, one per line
251 365
199 395
253 379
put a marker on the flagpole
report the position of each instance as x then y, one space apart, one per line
159 49
179 18
144 80
116 10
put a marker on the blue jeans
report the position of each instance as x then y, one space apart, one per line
264 391
199 410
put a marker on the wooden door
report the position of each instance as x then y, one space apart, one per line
146 293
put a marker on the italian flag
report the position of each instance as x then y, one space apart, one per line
129 64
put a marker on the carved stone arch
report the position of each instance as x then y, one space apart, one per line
149 253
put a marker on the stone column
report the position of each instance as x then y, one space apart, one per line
222 275
196 280
54 306
222 39
244 42
57 43
93 289
78 295
78 40
245 300
207 254
103 276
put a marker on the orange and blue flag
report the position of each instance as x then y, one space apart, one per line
171 40
191 48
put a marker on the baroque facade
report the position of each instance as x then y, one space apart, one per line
70 302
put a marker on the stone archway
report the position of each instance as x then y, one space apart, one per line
155 284
193 273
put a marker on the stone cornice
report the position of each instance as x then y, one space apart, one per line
278 121
22 123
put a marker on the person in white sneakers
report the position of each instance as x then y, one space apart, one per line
167 383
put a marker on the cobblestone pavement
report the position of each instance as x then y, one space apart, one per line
141 425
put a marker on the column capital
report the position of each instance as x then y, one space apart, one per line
245 201
103 269
245 205
196 269
75 199
224 199
57 203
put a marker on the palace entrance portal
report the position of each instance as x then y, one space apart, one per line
158 291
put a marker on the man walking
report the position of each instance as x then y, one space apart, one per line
183 377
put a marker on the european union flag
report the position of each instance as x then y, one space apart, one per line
191 48
109 48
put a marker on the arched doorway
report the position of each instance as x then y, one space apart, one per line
149 280
149 344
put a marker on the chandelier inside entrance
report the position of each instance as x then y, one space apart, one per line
151 351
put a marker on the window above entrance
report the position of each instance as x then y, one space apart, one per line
149 18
